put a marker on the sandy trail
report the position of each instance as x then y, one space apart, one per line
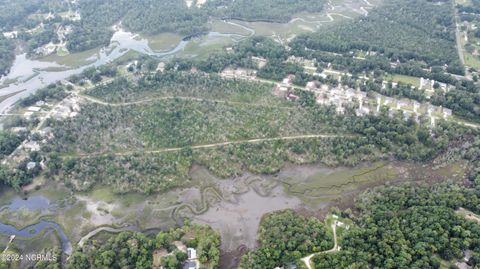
335 248
214 145
197 99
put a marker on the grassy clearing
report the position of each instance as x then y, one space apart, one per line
268 29
463 2
202 48
6 195
446 264
72 222
106 194
54 191
163 41
414 81
467 214
340 229
7 82
128 56
322 187
452 169
472 61
336 181
20 218
73 59
62 52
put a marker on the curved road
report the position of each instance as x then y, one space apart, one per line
335 248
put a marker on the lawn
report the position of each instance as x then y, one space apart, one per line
414 81
202 47
472 61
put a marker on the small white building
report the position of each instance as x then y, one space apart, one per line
31 146
34 109
446 112
192 254
10 35
40 103
161 67
31 165
19 129
261 62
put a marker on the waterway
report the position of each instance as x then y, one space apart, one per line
37 229
27 75
33 203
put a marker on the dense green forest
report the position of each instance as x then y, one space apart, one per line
18 16
18 13
137 250
100 144
9 142
276 55
15 12
153 17
265 10
400 30
408 227
53 92
146 16
185 84
285 237
157 172
7 55
18 175
467 8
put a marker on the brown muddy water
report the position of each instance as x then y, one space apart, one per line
235 206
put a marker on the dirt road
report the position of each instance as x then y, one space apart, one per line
335 248
214 145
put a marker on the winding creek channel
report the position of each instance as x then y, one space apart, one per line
30 75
